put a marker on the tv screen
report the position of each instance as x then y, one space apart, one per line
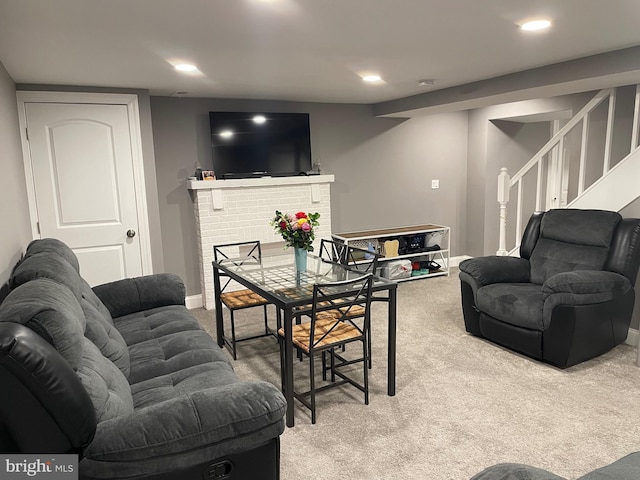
248 144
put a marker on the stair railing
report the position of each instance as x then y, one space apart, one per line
556 145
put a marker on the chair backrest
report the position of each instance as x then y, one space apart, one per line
239 253
342 298
564 240
333 252
354 257
362 260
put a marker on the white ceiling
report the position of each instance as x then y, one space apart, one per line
300 50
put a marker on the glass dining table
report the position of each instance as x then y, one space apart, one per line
276 279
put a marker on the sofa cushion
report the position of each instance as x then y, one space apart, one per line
53 246
157 322
45 265
572 242
594 228
48 260
105 383
89 295
518 304
212 374
53 312
515 471
164 340
50 310
194 426
106 337
624 469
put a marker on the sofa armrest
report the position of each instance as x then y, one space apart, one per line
235 416
45 407
514 471
494 269
581 287
131 295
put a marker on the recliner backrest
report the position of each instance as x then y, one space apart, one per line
53 312
624 257
52 259
572 239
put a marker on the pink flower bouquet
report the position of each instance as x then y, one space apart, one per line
296 230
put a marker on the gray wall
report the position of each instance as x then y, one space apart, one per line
383 168
146 132
488 152
14 215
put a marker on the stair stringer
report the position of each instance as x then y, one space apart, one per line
615 190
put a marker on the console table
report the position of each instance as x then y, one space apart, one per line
426 252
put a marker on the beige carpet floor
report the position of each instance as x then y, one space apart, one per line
462 403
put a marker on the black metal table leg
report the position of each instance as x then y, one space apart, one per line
288 364
391 345
218 304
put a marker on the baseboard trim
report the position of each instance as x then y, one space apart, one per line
193 301
455 261
632 337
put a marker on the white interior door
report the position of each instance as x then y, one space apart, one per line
84 185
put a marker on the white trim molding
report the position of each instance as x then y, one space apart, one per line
193 301
455 261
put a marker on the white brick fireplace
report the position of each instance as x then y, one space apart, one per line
239 210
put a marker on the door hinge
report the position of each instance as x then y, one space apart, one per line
26 130
38 227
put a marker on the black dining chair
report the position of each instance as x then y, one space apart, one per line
355 258
327 331
239 253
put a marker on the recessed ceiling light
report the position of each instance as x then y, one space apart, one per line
226 134
371 78
186 67
259 119
536 25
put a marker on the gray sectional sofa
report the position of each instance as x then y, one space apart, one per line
124 376
627 468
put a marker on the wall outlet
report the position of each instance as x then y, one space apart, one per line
435 184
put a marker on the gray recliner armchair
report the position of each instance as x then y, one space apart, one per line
568 298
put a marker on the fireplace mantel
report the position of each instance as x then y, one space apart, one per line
259 182
239 210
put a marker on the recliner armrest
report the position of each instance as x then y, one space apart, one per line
131 295
582 287
586 282
494 269
44 407
515 471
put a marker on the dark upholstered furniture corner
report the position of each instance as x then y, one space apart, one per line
568 298
124 376
627 468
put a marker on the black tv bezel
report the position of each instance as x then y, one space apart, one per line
303 118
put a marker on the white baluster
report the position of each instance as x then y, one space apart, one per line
504 185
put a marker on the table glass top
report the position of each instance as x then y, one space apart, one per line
276 275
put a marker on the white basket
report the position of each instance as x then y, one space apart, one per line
433 238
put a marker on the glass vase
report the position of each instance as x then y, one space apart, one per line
301 259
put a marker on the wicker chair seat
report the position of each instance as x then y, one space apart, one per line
354 311
242 299
342 331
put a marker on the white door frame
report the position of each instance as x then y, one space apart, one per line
131 102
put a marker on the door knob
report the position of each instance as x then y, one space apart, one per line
131 233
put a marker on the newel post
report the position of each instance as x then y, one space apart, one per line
504 185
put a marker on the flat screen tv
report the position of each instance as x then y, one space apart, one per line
253 144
